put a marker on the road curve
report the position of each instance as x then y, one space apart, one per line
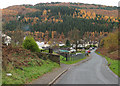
93 71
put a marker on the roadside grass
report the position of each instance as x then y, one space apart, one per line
28 73
63 60
114 64
47 51
81 52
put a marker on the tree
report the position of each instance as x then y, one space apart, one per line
61 19
30 44
75 36
111 41
67 43
17 37
46 36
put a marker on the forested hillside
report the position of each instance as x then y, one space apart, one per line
61 17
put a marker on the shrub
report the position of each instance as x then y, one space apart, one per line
87 47
111 41
30 44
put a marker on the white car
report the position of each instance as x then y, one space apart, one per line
73 50
78 53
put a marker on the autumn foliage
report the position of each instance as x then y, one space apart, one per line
109 45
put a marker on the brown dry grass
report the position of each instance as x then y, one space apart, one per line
17 57
113 55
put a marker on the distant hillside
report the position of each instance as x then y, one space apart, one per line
10 13
61 17
21 9
98 9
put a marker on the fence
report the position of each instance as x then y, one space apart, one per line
50 56
73 57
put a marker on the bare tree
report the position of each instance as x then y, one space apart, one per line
74 35
17 37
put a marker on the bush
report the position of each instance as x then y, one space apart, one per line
30 44
93 46
111 41
87 47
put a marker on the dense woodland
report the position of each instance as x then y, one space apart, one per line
60 17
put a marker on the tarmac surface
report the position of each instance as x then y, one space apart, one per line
94 71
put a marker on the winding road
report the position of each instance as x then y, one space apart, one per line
93 71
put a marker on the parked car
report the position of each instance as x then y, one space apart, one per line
78 53
90 48
89 51
93 48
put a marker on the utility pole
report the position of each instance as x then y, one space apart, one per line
18 18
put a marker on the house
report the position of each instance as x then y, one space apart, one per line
61 44
6 39
42 45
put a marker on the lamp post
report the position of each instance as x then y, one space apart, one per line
18 18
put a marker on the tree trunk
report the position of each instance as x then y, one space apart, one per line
76 46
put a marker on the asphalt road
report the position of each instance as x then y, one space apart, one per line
93 71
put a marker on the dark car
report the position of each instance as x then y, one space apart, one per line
93 48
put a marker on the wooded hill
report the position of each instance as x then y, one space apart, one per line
61 17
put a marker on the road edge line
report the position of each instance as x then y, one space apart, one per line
50 83
107 67
106 63
83 61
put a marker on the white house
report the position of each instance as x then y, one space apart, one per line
42 44
72 49
61 44
7 39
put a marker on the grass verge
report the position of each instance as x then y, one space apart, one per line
63 60
113 64
28 73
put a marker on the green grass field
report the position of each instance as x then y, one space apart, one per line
28 74
114 64
63 60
